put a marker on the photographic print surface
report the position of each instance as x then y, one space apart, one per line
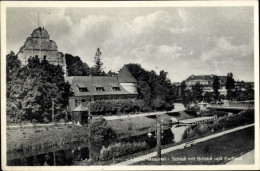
126 85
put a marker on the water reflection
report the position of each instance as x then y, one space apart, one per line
74 154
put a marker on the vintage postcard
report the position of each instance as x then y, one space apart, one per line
158 85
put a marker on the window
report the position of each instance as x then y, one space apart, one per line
100 89
77 102
83 89
116 88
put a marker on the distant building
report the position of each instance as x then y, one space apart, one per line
241 85
207 82
40 45
94 88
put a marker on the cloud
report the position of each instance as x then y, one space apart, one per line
224 49
181 41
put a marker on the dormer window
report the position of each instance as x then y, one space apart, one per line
82 88
99 87
115 87
85 89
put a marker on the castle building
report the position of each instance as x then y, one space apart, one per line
40 45
94 88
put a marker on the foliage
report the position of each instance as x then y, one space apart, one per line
213 112
76 67
197 92
97 69
169 107
216 87
100 130
230 85
30 90
193 110
31 139
223 122
240 95
120 149
153 87
109 107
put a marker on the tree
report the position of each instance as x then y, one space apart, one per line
76 67
100 130
183 89
111 73
13 84
216 87
98 67
230 85
144 92
197 91
33 87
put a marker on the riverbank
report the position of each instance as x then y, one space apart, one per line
31 139
211 152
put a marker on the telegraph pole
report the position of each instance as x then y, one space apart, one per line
52 116
158 127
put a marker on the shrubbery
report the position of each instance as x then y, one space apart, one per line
193 110
213 112
100 131
244 117
121 148
128 106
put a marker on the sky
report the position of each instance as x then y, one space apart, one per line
182 41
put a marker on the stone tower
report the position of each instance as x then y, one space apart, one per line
40 45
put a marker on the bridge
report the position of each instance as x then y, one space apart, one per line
233 106
193 121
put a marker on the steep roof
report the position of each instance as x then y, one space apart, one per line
91 82
125 76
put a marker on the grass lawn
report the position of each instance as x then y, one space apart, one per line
211 152
31 139
128 124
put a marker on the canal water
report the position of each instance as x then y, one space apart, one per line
74 154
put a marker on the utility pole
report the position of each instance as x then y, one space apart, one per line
54 160
52 116
158 127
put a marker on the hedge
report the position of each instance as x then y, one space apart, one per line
121 148
107 107
125 106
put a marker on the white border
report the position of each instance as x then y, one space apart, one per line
254 4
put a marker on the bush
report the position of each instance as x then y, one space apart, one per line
109 107
46 120
120 149
244 117
100 131
193 110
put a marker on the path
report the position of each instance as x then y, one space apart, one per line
245 159
181 146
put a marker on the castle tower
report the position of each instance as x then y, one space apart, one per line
40 45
